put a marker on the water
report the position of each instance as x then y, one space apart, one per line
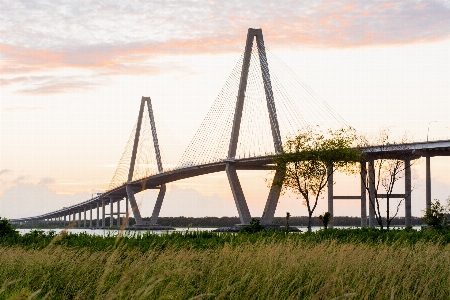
112 232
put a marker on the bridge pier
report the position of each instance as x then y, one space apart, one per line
272 199
103 213
64 220
127 214
238 194
111 216
79 217
408 223
428 182
363 173
330 195
84 224
90 214
371 193
134 206
98 215
118 213
158 204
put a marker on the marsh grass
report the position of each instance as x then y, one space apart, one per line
326 265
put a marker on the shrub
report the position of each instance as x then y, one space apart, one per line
253 227
435 216
6 229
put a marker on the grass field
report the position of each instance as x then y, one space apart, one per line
337 264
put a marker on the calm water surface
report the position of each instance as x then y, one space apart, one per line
105 232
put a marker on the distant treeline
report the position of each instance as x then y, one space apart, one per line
225 222
293 221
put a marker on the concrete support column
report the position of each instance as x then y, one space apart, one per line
118 213
79 217
371 193
134 206
158 204
111 216
408 223
98 215
90 216
363 195
272 199
428 183
65 220
238 194
330 195
126 211
84 210
103 213
74 218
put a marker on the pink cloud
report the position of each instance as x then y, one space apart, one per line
214 28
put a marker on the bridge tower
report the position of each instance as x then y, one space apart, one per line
238 194
129 188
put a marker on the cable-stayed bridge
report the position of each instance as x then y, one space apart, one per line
257 109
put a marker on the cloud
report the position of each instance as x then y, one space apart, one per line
46 180
5 172
51 85
110 38
21 179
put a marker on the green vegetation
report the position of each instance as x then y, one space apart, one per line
328 264
326 219
309 159
437 216
358 264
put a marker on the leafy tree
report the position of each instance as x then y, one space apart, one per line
6 229
436 216
325 218
310 158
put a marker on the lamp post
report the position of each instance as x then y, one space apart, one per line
428 131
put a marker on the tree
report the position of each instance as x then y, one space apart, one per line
325 218
436 216
6 229
310 158
384 172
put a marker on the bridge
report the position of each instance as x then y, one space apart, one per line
254 113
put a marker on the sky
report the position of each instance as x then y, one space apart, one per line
73 73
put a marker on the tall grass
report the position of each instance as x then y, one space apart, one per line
334 264
289 270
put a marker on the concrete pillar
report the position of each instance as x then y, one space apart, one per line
158 204
103 213
408 223
74 218
84 210
65 220
90 216
238 194
111 216
126 211
118 213
98 215
134 206
372 200
363 195
428 183
330 194
79 217
272 199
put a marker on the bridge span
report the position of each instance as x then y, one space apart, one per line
224 147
